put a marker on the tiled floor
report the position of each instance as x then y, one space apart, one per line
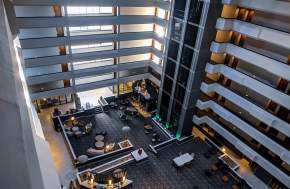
59 151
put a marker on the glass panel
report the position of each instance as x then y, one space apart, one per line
195 11
167 85
165 100
182 76
179 93
87 11
173 49
163 114
190 35
176 108
179 8
186 57
170 68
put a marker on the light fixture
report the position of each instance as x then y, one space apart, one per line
72 118
223 150
123 179
107 148
247 95
91 179
110 182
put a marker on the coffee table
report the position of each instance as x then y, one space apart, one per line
100 145
99 138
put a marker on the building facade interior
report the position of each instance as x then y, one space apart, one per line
145 94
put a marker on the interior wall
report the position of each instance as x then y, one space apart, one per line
40 52
37 33
42 70
34 11
23 164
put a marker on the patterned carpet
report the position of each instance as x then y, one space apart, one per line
156 172
159 173
111 123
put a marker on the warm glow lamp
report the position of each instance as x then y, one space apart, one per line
223 150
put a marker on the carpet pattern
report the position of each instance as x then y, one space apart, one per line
156 172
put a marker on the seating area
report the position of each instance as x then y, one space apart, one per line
224 168
105 134
114 179
162 170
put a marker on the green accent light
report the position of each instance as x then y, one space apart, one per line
157 117
178 135
167 125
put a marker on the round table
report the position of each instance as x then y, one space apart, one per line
99 138
75 129
100 145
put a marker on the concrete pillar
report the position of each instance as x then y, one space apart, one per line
20 165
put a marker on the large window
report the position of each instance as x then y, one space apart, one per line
125 87
87 11
92 47
159 30
93 63
91 79
91 28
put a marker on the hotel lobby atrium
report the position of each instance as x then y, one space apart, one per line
145 94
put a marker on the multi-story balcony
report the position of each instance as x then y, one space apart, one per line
243 147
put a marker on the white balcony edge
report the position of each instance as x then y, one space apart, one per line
272 6
245 149
244 80
249 107
270 65
255 31
276 148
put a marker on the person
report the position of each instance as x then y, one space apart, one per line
140 151
56 112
